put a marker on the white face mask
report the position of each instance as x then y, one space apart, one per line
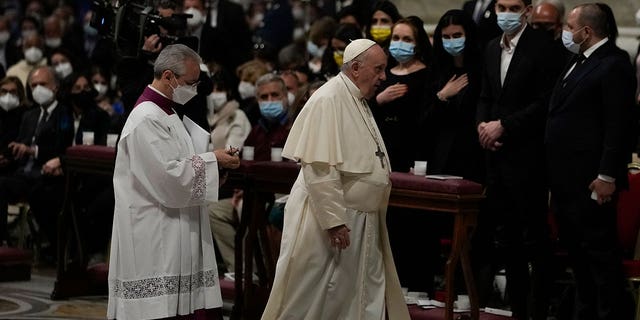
27 33
246 90
101 88
9 101
53 42
4 37
42 95
63 69
567 40
216 100
291 98
257 19
197 19
183 93
298 13
298 33
33 55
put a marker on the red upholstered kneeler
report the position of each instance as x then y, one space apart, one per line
227 288
15 264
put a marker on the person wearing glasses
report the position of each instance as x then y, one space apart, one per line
161 237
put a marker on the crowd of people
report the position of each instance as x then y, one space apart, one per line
532 100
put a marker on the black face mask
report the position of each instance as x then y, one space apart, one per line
551 33
84 99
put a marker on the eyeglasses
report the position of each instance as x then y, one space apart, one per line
193 84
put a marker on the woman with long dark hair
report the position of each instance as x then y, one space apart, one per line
400 103
398 109
453 140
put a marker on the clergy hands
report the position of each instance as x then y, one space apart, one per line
489 133
603 189
339 236
391 93
227 160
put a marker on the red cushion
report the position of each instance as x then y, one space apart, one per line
631 268
629 214
98 273
410 181
10 255
93 152
228 289
288 170
285 170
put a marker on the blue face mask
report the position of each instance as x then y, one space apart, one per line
509 22
271 110
454 46
402 51
89 30
314 50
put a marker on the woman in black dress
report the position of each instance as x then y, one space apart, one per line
451 125
399 108
400 104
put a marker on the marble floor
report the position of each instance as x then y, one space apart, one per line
31 300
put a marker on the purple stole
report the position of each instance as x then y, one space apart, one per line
151 95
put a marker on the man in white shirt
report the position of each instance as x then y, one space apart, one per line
589 138
162 257
517 79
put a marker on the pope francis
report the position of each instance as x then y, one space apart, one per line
335 261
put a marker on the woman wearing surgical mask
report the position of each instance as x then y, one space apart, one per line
319 40
248 73
452 136
333 56
398 109
12 106
106 99
60 61
382 18
229 125
399 102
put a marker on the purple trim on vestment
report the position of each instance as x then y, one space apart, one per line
164 103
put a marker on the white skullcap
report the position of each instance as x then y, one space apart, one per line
355 48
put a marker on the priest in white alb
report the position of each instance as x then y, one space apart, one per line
335 260
162 263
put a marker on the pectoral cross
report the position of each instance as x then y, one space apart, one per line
380 155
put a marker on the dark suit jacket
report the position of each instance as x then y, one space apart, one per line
229 43
54 137
487 25
96 120
520 104
589 124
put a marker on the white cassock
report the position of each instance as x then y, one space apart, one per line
162 257
342 181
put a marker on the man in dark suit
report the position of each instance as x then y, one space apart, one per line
589 142
484 14
45 133
517 81
225 37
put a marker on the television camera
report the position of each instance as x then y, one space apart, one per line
128 22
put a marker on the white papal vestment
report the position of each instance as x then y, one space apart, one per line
342 181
